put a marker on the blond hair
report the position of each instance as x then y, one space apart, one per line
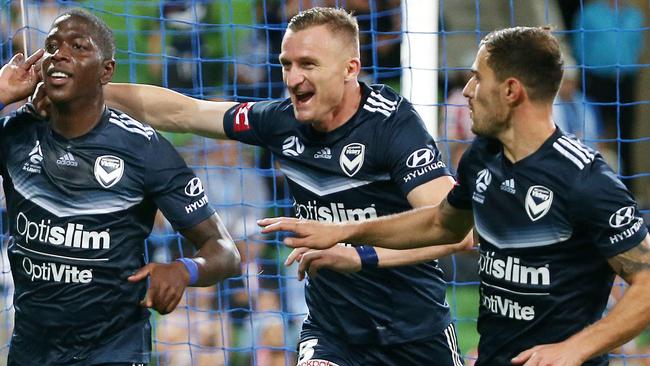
337 20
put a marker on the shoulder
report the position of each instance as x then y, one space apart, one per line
390 112
383 103
585 169
125 125
574 156
21 120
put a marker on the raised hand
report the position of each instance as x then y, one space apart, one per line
18 78
41 102
166 285
308 233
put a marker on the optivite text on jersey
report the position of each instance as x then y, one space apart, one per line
508 308
56 272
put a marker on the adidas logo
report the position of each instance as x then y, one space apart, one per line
67 159
324 153
508 185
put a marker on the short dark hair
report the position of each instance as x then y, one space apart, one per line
101 33
530 54
337 20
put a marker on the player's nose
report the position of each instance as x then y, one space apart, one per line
62 52
293 78
468 90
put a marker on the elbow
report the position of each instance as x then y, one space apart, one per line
233 266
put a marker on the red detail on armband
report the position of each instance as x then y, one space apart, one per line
240 124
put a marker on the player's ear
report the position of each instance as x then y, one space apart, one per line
513 91
353 68
108 69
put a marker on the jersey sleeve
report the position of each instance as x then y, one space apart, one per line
174 187
606 210
250 122
410 152
461 195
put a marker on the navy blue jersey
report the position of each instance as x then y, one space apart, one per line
547 225
79 211
361 170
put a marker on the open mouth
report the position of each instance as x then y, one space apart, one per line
57 77
304 97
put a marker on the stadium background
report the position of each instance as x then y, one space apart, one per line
228 49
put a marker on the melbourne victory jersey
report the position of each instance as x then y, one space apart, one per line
363 169
79 211
547 225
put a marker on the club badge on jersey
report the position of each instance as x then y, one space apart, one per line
351 159
108 170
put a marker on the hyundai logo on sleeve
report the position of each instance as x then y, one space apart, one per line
194 187
420 158
622 217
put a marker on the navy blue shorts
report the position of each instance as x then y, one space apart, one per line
318 348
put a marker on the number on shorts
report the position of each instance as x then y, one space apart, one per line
306 350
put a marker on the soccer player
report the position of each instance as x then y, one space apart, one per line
554 222
82 190
350 152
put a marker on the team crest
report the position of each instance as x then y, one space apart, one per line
538 202
108 170
351 159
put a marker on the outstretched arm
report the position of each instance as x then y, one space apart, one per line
428 194
217 258
346 258
420 227
18 78
626 320
168 110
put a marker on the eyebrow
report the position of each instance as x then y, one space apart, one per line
303 59
73 35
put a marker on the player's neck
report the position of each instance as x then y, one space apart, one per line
344 112
530 128
76 118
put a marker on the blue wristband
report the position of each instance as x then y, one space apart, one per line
368 257
192 268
